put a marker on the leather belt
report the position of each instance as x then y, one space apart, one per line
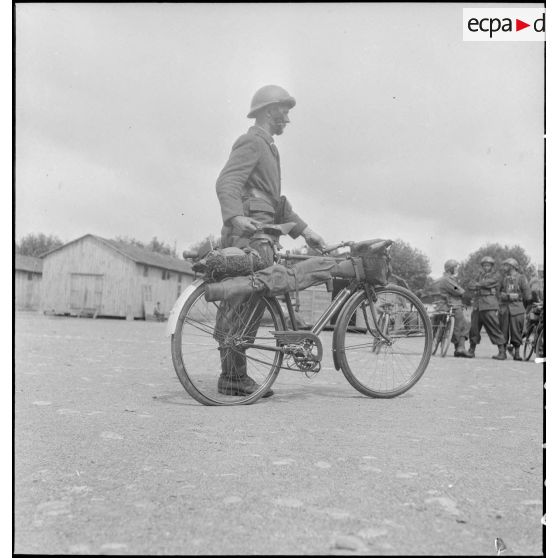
254 193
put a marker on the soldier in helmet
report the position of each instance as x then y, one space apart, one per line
515 295
485 309
451 294
249 192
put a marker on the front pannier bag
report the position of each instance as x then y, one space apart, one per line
375 259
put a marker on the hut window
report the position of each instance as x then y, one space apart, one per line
166 275
29 276
145 270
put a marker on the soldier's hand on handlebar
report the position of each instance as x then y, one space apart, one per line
313 239
245 224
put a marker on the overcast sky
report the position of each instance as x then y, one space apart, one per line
126 113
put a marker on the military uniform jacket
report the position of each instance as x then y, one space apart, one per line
485 290
514 291
449 290
250 182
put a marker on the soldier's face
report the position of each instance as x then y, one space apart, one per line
486 266
507 268
279 118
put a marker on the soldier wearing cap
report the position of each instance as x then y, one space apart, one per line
451 294
249 192
515 295
485 309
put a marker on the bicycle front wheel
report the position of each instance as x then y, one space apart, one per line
404 354
530 341
215 337
447 335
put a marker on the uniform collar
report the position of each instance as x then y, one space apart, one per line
262 133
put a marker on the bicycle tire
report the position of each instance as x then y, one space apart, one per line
437 337
447 333
530 342
539 347
401 362
196 353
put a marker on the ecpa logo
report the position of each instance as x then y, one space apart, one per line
503 24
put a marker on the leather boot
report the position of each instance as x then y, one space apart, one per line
231 288
516 355
460 350
234 379
501 353
471 351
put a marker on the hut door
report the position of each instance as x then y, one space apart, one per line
87 291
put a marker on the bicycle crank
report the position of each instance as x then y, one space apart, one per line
303 347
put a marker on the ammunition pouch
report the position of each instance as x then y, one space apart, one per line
510 297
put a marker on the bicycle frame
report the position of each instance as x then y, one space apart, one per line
334 307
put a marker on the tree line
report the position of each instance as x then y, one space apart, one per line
39 244
407 262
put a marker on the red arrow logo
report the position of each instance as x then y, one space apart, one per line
519 25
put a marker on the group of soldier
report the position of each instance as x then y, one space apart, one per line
499 303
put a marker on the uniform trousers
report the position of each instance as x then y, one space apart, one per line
511 326
241 316
488 319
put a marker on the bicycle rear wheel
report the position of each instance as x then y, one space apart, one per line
530 341
447 335
200 344
403 357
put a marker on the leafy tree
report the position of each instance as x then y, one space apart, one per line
37 244
470 268
161 247
154 245
204 245
410 264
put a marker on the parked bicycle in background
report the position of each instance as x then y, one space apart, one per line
534 341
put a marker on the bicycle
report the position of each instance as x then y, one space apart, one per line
444 325
382 355
535 337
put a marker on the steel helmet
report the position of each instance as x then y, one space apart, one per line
512 262
450 264
487 259
269 95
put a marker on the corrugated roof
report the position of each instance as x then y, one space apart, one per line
28 263
139 255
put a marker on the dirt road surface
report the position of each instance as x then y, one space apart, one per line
113 457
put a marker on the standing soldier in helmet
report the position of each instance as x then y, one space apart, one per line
451 294
514 296
249 192
485 309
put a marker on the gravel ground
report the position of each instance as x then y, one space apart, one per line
113 457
